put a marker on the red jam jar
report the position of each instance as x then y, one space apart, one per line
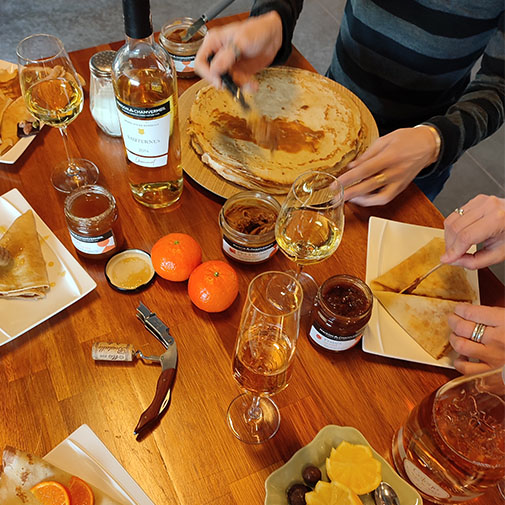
342 309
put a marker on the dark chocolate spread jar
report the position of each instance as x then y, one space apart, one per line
342 309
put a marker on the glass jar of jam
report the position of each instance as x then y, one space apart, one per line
342 309
182 53
247 222
92 220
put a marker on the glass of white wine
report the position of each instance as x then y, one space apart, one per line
310 225
264 354
53 94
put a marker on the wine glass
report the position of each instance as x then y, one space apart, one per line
53 94
264 354
310 225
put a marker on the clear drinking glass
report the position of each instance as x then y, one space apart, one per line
53 94
310 225
264 354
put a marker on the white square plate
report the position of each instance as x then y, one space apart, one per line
389 243
84 455
12 155
316 452
67 279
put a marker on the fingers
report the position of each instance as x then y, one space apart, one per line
466 367
490 316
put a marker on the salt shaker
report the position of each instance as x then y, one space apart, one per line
102 100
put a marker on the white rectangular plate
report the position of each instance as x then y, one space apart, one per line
84 455
12 155
67 279
389 243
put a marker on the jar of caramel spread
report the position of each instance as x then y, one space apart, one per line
247 222
341 311
92 220
182 53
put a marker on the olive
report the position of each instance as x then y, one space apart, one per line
311 475
296 494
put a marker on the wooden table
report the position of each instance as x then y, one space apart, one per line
50 385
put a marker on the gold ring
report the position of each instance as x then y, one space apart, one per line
478 333
459 211
380 179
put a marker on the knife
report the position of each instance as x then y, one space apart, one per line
207 16
413 285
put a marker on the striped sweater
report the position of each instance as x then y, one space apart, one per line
410 61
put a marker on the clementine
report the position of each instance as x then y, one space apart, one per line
213 286
175 256
80 492
50 492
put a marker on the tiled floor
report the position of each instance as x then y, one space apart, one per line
83 24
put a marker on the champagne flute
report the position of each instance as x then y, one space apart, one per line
310 225
53 94
264 354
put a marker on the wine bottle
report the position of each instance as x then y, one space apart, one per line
145 87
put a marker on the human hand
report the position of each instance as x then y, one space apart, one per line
481 220
491 350
388 166
242 49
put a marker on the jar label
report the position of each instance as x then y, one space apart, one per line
183 63
422 482
249 254
332 342
98 244
146 132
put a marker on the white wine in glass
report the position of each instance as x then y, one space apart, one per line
53 94
310 224
264 354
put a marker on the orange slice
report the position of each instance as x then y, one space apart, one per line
354 466
50 492
80 492
332 493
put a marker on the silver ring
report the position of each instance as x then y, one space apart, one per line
380 179
459 211
478 333
236 51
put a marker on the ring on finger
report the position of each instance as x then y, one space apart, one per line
380 179
459 211
236 50
478 333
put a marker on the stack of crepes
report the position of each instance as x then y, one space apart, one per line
315 122
22 471
24 275
423 313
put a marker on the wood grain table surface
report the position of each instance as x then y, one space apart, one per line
50 385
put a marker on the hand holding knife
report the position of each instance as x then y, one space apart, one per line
207 16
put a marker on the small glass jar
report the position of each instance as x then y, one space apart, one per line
247 222
102 101
342 309
93 222
183 53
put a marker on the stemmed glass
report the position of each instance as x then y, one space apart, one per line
310 225
53 94
264 354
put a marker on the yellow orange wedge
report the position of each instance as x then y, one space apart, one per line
332 493
80 492
50 492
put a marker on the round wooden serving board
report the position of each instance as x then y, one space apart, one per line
210 180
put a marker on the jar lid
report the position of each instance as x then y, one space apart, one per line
101 63
130 270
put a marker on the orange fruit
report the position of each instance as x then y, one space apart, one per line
80 492
50 492
213 286
332 493
175 256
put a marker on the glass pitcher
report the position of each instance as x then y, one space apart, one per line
452 445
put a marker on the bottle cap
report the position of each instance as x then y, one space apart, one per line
130 270
137 19
101 63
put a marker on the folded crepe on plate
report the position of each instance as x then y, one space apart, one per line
26 274
423 313
15 113
21 471
316 124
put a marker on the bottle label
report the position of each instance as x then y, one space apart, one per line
332 342
146 132
98 244
249 254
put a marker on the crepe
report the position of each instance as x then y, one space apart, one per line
423 318
316 126
15 113
26 275
21 471
448 282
